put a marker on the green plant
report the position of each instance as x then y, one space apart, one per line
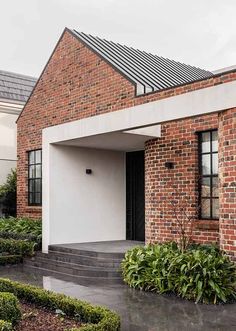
8 194
21 228
9 308
201 273
10 259
17 247
98 318
5 326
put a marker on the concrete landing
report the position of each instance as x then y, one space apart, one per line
116 246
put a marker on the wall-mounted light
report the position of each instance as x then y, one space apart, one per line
169 165
88 171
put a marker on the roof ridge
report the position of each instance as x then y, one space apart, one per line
14 74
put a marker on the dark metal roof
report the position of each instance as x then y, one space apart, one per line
147 71
15 87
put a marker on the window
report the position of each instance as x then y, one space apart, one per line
35 178
208 161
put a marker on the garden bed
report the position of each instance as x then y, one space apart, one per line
201 273
85 316
40 319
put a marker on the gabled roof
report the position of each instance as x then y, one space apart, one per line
15 87
147 71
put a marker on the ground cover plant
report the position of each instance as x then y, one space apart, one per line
200 273
74 314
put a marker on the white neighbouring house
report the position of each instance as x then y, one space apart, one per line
14 92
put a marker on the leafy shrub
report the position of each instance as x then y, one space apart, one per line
21 229
21 226
8 195
202 273
16 247
99 318
9 308
5 326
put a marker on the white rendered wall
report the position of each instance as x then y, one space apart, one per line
7 144
86 208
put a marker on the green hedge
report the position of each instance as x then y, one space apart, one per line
98 318
10 259
202 273
9 308
5 326
17 247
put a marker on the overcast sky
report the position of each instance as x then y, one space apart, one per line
197 32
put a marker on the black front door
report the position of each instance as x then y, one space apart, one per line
135 202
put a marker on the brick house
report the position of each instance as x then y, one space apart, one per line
14 92
106 133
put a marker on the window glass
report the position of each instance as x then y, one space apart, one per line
215 163
215 208
214 141
206 142
215 187
206 187
209 175
206 164
35 178
205 208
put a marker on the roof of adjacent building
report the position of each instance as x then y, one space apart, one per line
15 87
147 71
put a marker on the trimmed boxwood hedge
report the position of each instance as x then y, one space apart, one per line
5 326
9 308
98 318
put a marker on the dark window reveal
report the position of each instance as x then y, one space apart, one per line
209 188
35 178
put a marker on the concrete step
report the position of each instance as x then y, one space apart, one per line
87 253
82 280
83 260
71 268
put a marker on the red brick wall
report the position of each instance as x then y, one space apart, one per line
178 144
77 83
227 175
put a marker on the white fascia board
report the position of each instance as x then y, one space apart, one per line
199 102
10 107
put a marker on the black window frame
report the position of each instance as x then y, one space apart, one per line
32 202
210 176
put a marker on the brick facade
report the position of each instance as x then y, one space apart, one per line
227 175
77 83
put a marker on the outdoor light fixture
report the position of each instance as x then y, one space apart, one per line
88 171
169 165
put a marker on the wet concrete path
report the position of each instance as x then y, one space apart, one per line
138 310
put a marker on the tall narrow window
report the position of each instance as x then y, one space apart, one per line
35 178
209 192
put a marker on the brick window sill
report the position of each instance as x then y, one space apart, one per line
34 208
207 225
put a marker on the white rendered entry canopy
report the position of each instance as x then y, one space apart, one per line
119 131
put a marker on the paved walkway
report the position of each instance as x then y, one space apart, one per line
138 310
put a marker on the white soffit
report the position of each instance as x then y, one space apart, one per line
199 102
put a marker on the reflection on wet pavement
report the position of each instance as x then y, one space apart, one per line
138 310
